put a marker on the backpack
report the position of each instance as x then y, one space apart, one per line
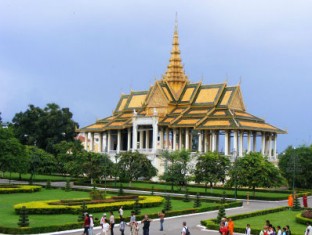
187 231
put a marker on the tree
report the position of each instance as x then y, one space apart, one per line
83 210
136 207
44 127
12 152
39 161
167 206
0 119
211 168
197 202
65 152
294 165
254 170
177 168
133 165
23 219
221 214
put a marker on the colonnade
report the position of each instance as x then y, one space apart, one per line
150 138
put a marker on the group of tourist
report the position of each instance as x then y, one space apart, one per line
269 229
107 225
226 226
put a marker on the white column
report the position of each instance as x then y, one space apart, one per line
235 141
129 140
241 143
187 138
174 139
180 138
213 142
263 143
270 146
118 141
254 141
249 142
275 147
147 140
155 134
167 138
86 141
205 141
141 139
92 142
134 137
161 135
226 143
109 141
104 141
200 141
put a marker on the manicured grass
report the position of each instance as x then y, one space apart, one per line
15 176
10 219
219 191
281 218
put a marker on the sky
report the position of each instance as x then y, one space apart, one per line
85 54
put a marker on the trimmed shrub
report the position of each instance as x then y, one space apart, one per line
167 206
6 189
221 214
23 219
197 202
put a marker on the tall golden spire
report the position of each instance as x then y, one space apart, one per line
175 71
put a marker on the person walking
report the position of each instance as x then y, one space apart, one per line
122 226
230 226
105 228
91 225
102 220
146 224
112 222
279 230
120 212
308 229
185 229
86 224
161 216
248 230
132 217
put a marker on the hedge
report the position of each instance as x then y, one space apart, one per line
213 225
68 226
302 220
6 189
251 197
50 206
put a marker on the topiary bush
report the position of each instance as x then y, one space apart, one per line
23 219
307 214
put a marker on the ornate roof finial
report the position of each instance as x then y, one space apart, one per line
175 71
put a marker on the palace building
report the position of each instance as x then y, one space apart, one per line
176 114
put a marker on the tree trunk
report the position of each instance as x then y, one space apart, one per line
206 187
254 191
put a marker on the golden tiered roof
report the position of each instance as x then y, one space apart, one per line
180 103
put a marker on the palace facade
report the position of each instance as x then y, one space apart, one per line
176 114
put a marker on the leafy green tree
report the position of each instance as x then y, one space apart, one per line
134 165
294 165
197 202
211 168
83 210
39 161
167 205
44 127
66 152
177 168
12 152
254 170
136 207
93 165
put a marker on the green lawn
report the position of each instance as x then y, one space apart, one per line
230 193
10 219
15 176
281 218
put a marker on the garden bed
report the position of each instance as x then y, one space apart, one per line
6 189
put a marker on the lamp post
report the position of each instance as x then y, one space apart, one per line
234 155
294 173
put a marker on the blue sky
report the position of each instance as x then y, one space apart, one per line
84 54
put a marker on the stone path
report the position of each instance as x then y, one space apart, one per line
173 225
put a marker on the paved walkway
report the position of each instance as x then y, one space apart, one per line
173 225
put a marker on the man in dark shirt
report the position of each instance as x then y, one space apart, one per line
146 224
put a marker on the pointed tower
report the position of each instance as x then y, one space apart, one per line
175 76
